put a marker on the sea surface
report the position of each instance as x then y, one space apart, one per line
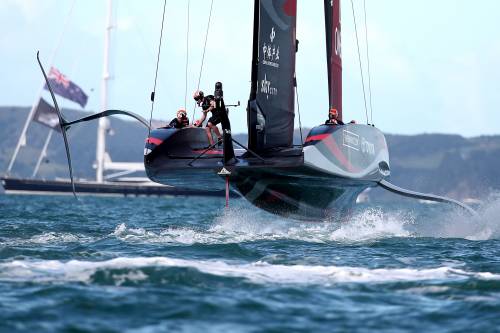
187 264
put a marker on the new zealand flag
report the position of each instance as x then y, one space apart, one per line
66 88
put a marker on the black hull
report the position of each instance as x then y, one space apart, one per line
317 181
298 194
63 187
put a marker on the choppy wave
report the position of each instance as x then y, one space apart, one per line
375 224
245 225
256 272
371 223
50 238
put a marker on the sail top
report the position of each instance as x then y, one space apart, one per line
271 105
334 54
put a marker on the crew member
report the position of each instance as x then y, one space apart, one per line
180 121
207 104
333 118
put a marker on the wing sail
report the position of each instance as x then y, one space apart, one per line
271 105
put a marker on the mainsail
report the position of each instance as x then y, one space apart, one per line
271 105
334 54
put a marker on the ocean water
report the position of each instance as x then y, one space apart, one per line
186 264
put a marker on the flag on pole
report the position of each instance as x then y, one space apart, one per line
46 114
62 86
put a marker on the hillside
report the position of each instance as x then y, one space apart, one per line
443 164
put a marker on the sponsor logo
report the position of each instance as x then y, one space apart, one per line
351 140
271 52
267 88
367 147
355 142
338 43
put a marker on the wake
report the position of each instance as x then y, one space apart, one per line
243 223
124 269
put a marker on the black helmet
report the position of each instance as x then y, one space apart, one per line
198 95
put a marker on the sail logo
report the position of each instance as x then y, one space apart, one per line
267 88
271 52
338 43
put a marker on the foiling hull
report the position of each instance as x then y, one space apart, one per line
322 179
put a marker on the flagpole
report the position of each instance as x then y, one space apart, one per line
42 154
103 122
39 95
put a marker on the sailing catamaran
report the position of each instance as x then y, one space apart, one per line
320 178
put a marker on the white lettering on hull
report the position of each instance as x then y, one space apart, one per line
354 141
351 140
367 147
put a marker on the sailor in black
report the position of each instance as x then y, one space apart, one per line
180 121
207 104
333 118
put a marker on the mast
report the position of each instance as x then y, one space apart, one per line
43 154
255 50
251 116
334 54
103 122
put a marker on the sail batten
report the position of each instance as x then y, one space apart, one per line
271 105
334 54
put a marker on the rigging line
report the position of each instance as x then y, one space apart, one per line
203 56
298 110
187 56
359 58
157 66
368 63
140 37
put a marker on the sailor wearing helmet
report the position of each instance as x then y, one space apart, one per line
180 121
207 104
333 118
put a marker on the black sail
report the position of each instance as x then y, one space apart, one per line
271 105
334 54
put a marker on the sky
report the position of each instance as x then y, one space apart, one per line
434 65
